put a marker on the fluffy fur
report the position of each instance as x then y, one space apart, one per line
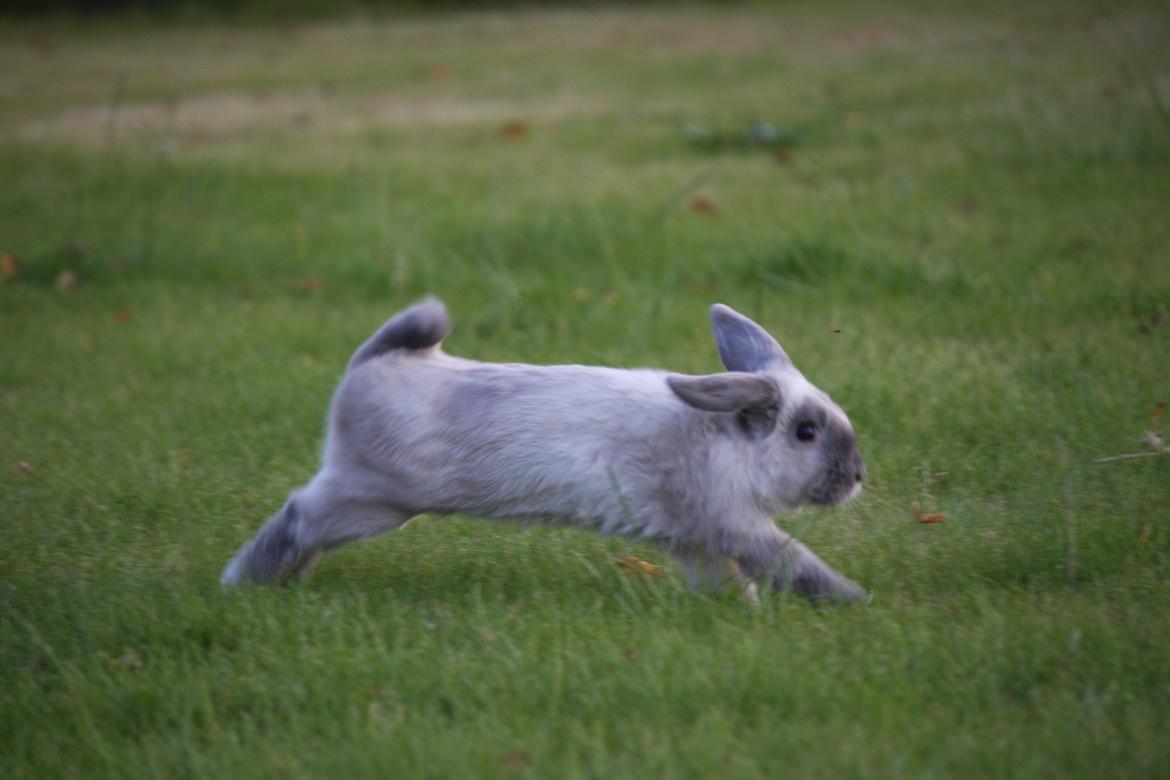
698 465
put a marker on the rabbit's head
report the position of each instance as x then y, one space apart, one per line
798 447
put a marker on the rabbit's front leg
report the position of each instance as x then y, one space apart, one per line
789 565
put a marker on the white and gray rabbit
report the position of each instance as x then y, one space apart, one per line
699 465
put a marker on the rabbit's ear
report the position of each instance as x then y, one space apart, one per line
733 391
744 345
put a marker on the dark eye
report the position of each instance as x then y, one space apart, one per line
806 431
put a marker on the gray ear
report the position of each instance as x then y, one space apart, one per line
744 345
730 392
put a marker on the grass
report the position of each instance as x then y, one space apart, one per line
967 248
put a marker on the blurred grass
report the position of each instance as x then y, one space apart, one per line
967 248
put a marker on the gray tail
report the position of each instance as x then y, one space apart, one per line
421 326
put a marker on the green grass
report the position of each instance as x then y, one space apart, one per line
968 249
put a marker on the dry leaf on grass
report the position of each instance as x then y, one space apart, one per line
309 283
928 519
703 205
65 281
514 759
122 315
440 74
22 468
969 207
1159 410
632 565
1144 537
10 267
516 130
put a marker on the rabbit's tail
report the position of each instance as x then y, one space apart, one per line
422 326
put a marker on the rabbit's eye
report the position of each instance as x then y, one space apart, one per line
806 431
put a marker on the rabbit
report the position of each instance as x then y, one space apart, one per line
698 465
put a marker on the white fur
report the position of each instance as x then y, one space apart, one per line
414 430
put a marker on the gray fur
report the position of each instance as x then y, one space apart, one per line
638 453
731 391
744 345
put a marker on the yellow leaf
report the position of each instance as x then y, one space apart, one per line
9 266
634 565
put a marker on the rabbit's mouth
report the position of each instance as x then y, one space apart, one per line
839 484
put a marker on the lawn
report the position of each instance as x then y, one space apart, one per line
955 220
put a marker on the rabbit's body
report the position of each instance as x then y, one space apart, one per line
638 453
506 440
